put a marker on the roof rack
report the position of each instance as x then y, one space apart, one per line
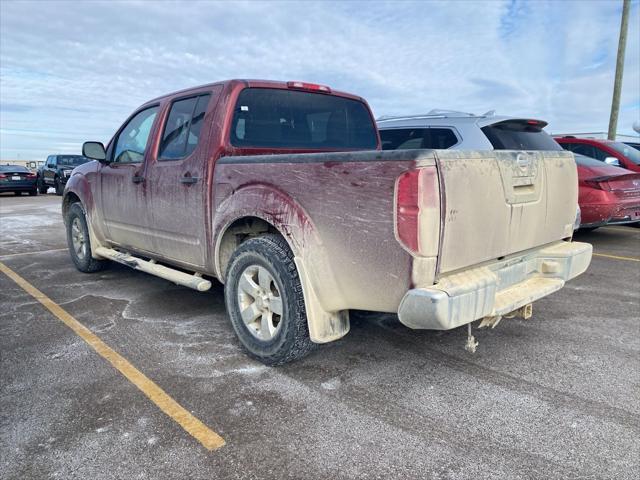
435 113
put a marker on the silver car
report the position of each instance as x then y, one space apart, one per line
443 129
448 129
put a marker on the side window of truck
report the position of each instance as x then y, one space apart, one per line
133 138
182 129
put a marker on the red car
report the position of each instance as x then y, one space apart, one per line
607 194
613 153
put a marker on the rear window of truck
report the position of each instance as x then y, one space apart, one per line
274 118
519 135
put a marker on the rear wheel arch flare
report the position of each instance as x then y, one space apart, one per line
235 233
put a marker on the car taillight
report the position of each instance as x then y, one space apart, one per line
314 87
595 184
2 175
417 210
31 175
408 209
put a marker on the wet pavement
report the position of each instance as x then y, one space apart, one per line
551 397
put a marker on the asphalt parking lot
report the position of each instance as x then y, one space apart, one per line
556 396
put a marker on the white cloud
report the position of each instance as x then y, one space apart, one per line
73 71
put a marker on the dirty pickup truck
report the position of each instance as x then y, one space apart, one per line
280 191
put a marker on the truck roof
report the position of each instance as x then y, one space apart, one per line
255 83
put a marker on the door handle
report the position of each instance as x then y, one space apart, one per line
188 179
137 179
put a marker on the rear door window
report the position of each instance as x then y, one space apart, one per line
410 138
182 129
441 138
402 138
581 149
290 119
519 135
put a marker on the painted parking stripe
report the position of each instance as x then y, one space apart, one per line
207 437
617 257
9 255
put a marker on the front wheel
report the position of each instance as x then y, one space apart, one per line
42 188
78 241
58 186
265 301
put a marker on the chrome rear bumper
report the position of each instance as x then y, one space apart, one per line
494 289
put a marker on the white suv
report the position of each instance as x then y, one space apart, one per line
444 129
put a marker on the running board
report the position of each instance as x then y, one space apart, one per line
192 281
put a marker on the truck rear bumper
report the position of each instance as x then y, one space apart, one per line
494 289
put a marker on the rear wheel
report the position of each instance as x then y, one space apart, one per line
78 241
265 302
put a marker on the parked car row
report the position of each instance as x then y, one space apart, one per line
608 194
280 190
17 179
56 171
53 173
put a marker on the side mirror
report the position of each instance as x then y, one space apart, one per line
94 151
612 161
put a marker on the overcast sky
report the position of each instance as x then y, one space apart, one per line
73 71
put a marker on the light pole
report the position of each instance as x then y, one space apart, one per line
617 85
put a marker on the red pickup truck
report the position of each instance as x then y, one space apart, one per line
280 191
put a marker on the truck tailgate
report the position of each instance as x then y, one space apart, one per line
501 202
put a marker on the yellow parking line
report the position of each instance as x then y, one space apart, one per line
8 255
617 257
207 437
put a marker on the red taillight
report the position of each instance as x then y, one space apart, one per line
533 122
31 175
408 209
314 87
417 211
2 175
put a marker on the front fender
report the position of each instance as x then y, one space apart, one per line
78 187
291 220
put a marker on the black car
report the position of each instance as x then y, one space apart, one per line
56 170
17 179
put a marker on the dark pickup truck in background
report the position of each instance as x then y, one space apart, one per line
280 191
56 170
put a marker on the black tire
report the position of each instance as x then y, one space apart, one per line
83 260
291 341
42 188
59 188
33 192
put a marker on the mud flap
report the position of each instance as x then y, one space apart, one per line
324 326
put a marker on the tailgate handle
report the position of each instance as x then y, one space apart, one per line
188 179
137 179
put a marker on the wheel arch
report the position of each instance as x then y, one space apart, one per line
324 326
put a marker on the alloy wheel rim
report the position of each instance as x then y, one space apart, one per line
78 238
260 302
